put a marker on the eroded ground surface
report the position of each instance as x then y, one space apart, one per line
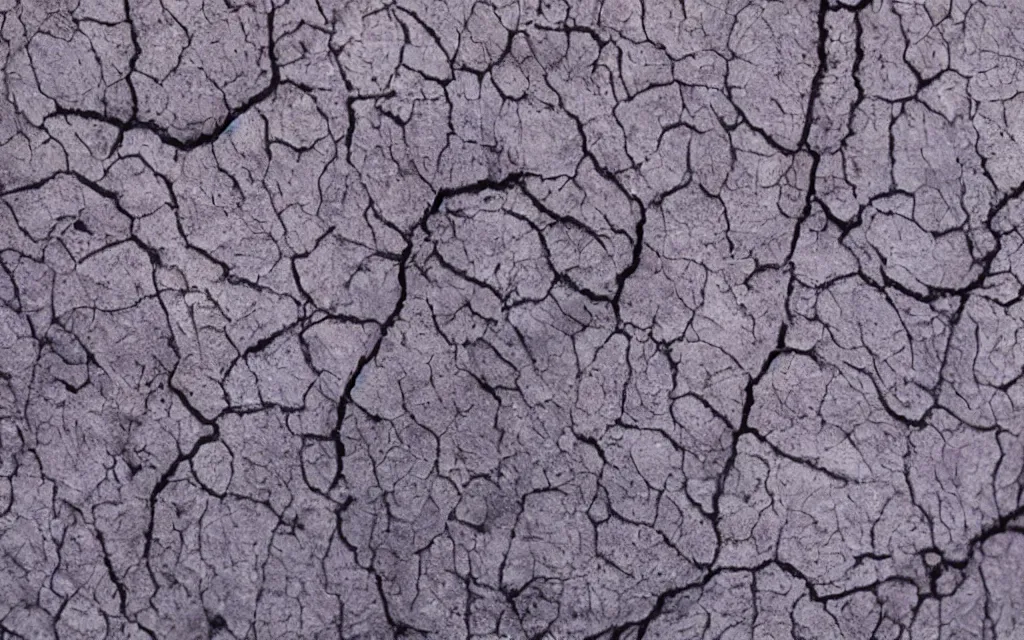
683 319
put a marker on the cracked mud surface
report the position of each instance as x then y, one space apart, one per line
490 319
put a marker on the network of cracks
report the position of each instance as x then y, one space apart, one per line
499 319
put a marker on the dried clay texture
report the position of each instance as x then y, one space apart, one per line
498 319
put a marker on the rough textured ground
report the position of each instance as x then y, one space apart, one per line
676 319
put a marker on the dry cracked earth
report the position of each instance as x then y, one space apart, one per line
492 319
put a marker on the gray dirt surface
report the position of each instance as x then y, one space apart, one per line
507 319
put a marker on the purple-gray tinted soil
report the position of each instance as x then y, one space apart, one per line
498 319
